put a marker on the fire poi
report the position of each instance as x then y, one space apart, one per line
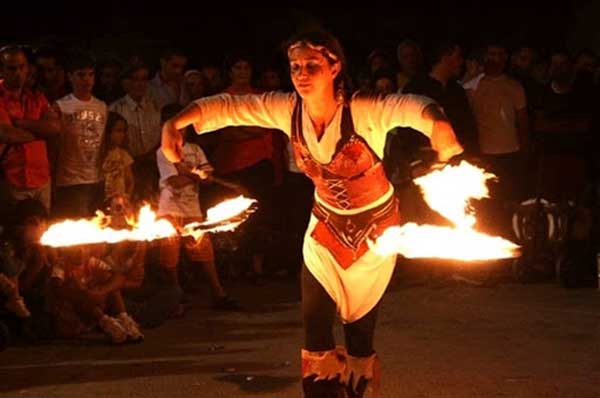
225 216
448 191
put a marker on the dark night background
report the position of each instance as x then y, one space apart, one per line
208 34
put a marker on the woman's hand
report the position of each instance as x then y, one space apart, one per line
443 140
172 142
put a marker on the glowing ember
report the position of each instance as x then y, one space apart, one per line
95 230
448 192
225 216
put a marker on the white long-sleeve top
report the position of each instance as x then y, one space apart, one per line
357 289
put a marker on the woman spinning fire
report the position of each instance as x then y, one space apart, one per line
338 142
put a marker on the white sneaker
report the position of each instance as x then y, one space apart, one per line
131 326
113 328
17 306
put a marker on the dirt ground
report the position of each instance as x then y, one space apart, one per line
435 339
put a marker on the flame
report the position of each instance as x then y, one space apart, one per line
228 209
225 216
431 241
448 191
95 230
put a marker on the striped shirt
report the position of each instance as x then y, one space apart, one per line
143 119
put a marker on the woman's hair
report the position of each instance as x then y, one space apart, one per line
112 119
331 48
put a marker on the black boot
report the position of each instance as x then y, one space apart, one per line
322 388
327 366
362 377
358 390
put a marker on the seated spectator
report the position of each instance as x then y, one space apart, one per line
82 286
10 268
26 224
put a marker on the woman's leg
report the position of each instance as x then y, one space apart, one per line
318 312
359 335
321 366
362 371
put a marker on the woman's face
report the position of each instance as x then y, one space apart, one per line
312 73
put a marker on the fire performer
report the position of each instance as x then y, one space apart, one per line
338 142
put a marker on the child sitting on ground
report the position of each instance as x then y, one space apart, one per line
84 285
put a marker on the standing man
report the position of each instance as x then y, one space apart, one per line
83 119
167 86
26 119
143 119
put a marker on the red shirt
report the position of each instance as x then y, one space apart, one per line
234 154
25 165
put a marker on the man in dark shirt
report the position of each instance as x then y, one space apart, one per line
441 85
522 62
562 132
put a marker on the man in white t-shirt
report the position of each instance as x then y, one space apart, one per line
83 118
500 109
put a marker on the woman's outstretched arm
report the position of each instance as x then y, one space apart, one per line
269 110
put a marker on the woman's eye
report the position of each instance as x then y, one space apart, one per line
312 67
